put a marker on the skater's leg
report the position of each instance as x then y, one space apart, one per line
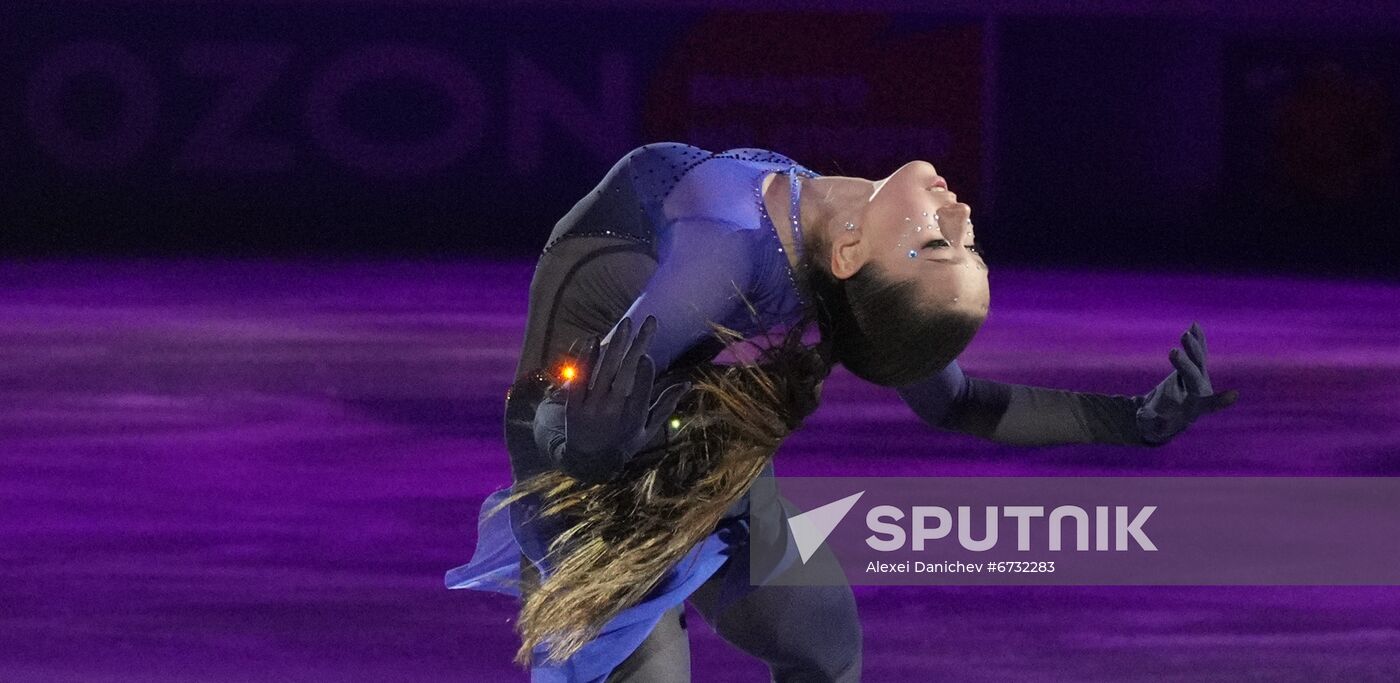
663 657
806 634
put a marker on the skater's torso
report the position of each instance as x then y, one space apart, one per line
600 256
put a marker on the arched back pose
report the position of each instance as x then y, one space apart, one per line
621 512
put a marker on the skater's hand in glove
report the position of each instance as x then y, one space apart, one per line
608 412
1184 395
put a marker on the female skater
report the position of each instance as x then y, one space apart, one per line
638 460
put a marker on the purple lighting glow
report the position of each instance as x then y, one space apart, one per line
259 471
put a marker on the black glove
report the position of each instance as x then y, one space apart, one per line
1184 395
608 412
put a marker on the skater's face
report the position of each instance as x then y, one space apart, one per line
915 229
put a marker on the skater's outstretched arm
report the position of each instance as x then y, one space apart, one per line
1033 416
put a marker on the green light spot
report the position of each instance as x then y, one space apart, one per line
675 423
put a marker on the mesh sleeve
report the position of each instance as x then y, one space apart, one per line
1020 414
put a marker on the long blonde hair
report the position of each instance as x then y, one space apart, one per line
620 538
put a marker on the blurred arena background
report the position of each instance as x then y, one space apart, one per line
1245 134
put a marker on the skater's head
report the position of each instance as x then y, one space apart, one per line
895 267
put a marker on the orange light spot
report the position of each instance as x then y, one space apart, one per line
568 372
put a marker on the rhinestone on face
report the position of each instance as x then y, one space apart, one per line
913 253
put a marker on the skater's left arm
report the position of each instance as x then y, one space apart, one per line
1037 416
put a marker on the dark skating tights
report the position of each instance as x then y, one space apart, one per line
805 634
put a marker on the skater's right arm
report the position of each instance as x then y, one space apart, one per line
704 269
607 411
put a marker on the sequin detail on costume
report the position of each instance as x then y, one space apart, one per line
794 224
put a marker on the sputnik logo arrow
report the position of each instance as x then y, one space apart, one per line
812 527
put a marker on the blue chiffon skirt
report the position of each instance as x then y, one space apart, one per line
504 538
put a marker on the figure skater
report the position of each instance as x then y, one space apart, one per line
638 460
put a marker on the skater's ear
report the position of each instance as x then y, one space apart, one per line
846 254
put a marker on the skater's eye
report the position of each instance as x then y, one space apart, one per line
940 243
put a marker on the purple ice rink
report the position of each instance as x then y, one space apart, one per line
259 471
